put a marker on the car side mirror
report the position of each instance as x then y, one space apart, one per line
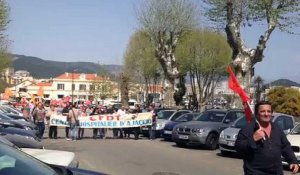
287 131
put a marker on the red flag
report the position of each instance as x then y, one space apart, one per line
236 87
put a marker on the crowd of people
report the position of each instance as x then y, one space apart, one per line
40 116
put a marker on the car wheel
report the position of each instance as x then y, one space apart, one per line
181 145
212 141
225 153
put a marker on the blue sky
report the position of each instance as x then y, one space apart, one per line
99 30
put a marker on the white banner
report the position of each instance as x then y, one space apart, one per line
106 120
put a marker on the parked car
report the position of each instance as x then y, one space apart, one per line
8 128
16 161
205 130
167 133
228 136
294 138
22 141
19 124
163 117
11 110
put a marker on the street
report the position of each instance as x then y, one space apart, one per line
145 157
128 156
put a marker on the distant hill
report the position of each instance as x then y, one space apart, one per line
283 82
40 68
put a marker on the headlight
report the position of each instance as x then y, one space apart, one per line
160 126
222 135
198 130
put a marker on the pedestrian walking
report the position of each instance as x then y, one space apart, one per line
263 143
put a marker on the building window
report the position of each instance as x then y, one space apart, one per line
82 97
92 87
60 96
60 86
82 87
46 96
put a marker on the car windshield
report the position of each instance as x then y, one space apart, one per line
165 115
241 123
296 130
211 116
185 118
13 161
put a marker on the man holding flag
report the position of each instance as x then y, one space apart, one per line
261 142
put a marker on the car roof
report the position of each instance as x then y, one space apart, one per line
276 114
218 110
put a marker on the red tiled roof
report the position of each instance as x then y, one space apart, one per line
75 76
156 88
43 84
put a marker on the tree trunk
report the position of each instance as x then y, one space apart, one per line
243 69
170 90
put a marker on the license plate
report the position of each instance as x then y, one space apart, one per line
145 129
185 137
229 143
168 132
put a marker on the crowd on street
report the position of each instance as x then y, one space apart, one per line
40 115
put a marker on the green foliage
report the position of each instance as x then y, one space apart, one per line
139 58
285 100
203 50
246 12
5 58
180 92
203 55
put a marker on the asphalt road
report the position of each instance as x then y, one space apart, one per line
145 157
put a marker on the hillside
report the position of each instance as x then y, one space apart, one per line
40 68
283 82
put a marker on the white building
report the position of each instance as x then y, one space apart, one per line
61 86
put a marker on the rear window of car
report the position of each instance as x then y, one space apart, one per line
164 114
211 116
241 123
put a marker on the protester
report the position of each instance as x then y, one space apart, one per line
39 116
52 129
26 114
262 143
65 112
74 122
121 112
96 111
152 128
136 130
83 114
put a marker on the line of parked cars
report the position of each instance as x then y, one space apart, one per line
21 152
217 128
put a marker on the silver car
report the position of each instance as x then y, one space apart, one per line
228 136
204 130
